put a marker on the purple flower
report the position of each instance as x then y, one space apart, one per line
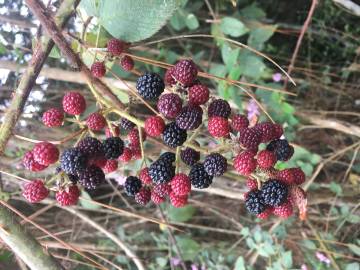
194 267
277 77
175 261
304 267
322 258
120 179
253 109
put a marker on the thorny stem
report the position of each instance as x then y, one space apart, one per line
177 160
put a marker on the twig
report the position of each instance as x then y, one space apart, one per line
113 237
298 43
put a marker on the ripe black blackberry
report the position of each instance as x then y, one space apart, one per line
282 149
190 117
150 86
73 178
219 107
91 146
274 193
189 156
174 136
215 164
73 161
199 178
126 124
254 203
132 185
168 157
91 177
161 172
113 147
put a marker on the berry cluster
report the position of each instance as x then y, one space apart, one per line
184 108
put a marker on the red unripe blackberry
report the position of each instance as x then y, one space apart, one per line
96 121
143 196
245 163
162 190
266 130
190 117
114 132
126 124
299 176
30 164
111 165
198 94
154 126
157 199
266 159
178 201
45 153
150 86
286 176
250 138
91 177
278 131
180 184
132 185
74 103
35 191
68 196
266 214
215 164
189 156
239 122
53 117
251 183
136 151
173 135
219 107
169 77
218 127
98 69
116 46
169 105
145 177
126 156
91 147
127 63
284 211
98 161
185 72
134 138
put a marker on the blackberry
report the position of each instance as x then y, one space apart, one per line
219 107
274 192
199 178
282 149
126 124
91 146
73 178
189 156
169 105
215 164
113 147
73 161
254 203
168 157
91 177
150 86
132 185
161 172
174 136
190 117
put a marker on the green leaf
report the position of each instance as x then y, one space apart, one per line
161 261
182 214
336 188
309 244
353 219
188 247
355 249
229 56
352 266
233 27
240 264
55 52
287 259
131 20
252 65
252 12
191 21
85 203
177 21
259 35
2 49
